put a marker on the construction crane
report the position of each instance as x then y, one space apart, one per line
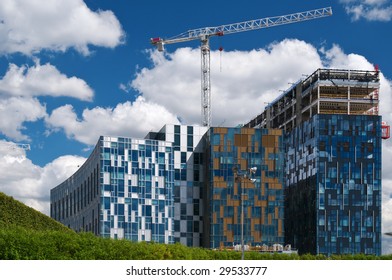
14 146
204 34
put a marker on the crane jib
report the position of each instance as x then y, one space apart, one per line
203 34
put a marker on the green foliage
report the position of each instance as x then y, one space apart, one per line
14 213
26 234
17 243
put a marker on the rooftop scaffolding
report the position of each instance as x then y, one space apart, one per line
326 91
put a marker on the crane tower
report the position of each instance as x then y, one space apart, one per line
204 34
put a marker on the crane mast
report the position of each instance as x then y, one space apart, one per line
204 34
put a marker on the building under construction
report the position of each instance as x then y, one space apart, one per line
326 91
333 137
315 156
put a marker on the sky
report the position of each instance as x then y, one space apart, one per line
72 70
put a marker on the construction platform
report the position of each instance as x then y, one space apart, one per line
326 91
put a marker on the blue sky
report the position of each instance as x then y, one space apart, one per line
72 70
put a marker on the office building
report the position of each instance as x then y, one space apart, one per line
333 161
188 144
123 190
230 194
316 186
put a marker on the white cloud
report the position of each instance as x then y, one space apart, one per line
19 89
30 183
249 78
127 119
29 26
371 10
40 80
15 111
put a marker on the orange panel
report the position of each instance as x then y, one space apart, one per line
279 227
237 140
216 163
221 130
229 236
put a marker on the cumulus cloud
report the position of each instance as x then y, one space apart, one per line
250 78
371 10
28 182
15 111
29 26
126 119
20 88
40 80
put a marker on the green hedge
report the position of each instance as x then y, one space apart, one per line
15 213
17 243
26 234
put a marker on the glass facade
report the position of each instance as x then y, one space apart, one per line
333 179
317 187
124 190
263 200
317 149
189 168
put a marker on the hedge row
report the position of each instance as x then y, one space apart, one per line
17 243
15 213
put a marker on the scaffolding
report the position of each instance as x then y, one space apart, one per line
326 91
